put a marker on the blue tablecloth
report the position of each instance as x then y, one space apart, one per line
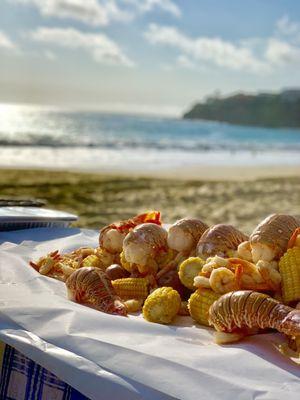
23 379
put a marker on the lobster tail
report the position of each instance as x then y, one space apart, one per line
90 286
219 240
290 325
246 309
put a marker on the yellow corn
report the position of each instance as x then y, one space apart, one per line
91 261
199 304
131 288
105 257
289 268
164 259
125 264
189 269
162 305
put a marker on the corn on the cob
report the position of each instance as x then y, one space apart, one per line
162 305
125 264
106 258
91 261
188 270
131 288
199 304
289 268
164 258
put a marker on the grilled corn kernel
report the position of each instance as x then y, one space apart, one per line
125 264
162 305
165 258
199 304
289 268
105 257
189 269
91 261
131 288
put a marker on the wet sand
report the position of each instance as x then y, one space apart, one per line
241 196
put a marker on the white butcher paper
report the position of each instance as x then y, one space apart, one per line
113 357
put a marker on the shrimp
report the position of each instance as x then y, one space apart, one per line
269 272
222 280
232 274
248 275
46 264
244 251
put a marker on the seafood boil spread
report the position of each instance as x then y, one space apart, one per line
238 284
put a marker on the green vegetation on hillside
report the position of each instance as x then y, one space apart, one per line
270 110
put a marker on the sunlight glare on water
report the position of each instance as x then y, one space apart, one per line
35 136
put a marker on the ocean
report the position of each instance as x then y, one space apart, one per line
41 137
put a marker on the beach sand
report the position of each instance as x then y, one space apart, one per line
240 196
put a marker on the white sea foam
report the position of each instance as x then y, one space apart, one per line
136 160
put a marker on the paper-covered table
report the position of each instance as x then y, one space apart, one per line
112 357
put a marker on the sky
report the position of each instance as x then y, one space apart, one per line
149 56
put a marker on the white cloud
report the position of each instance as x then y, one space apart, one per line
144 6
279 52
90 12
50 55
5 42
99 12
203 49
99 46
286 27
256 55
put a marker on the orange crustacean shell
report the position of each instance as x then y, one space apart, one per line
219 240
144 242
185 233
111 236
275 231
246 309
90 286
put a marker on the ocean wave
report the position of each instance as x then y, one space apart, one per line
59 130
123 143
